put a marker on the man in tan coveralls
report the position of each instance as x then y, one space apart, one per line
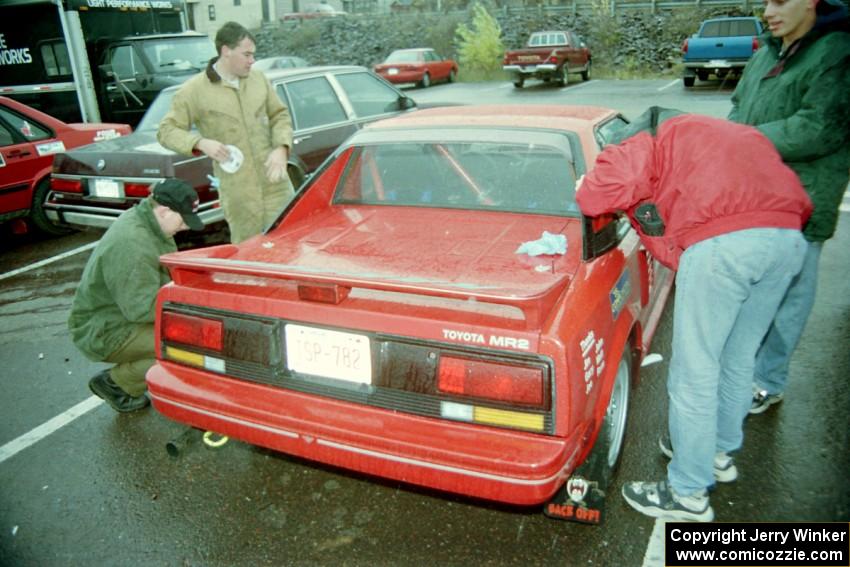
232 105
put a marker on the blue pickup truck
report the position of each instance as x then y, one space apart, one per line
722 46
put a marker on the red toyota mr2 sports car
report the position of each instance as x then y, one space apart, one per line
398 320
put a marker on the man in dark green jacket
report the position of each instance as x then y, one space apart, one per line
796 90
112 316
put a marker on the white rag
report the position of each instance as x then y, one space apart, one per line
547 244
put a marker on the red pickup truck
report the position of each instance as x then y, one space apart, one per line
549 55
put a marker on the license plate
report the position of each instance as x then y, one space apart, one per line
329 354
107 188
718 63
392 72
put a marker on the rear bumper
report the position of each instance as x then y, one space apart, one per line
505 466
403 77
716 64
93 216
529 70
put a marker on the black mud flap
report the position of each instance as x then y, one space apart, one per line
582 498
578 500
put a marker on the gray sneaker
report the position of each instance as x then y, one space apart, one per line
658 500
762 400
724 465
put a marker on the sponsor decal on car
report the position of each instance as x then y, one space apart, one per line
620 293
593 357
49 148
109 134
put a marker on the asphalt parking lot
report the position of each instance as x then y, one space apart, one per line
82 485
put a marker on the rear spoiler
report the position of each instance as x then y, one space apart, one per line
187 266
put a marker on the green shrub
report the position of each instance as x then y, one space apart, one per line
480 49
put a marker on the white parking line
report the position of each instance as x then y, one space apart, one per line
48 260
33 436
668 85
654 556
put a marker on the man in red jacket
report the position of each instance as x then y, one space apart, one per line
713 200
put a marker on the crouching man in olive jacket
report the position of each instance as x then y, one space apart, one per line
112 315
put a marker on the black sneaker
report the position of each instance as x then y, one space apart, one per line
724 465
103 387
762 400
658 500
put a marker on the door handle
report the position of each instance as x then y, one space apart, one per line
301 139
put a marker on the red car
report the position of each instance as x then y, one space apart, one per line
421 66
28 141
395 322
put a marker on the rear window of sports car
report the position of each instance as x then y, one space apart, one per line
512 171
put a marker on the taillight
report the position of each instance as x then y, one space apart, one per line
685 46
66 185
192 330
137 189
509 383
755 44
553 59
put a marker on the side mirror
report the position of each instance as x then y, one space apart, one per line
406 103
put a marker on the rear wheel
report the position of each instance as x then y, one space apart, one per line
519 82
617 413
564 77
452 76
585 75
426 81
605 455
689 81
39 219
702 75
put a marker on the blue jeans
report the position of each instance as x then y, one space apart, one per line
728 289
774 356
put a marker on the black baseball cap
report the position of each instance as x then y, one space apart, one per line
180 197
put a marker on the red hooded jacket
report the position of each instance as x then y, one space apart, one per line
705 175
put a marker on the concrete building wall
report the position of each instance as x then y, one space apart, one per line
207 16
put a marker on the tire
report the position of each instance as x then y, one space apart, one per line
702 75
519 82
426 81
564 77
689 81
452 76
605 455
37 216
617 413
585 75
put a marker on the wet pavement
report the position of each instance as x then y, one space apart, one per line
102 490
